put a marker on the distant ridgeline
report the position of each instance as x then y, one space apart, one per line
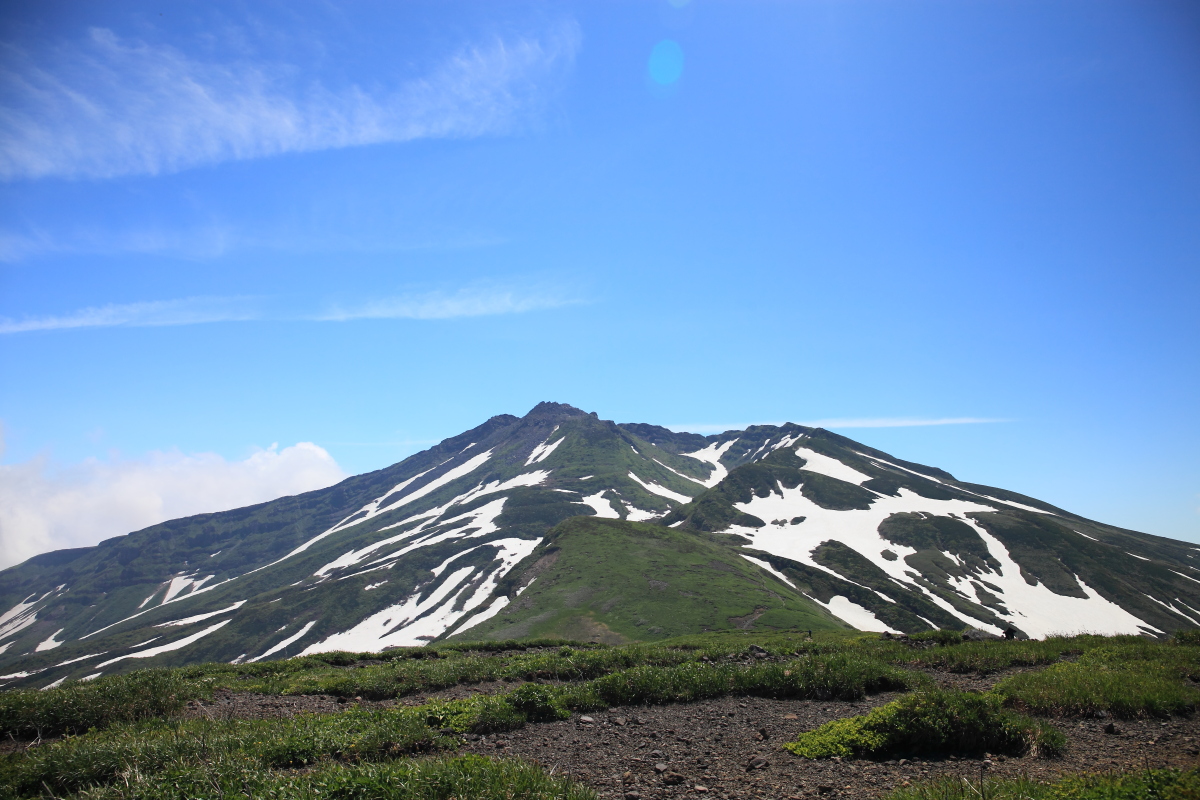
565 525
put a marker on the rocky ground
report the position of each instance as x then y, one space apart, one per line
731 747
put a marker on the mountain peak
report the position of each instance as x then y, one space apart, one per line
546 410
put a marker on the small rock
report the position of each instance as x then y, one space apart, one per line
824 790
619 721
758 762
672 779
660 767
903 761
627 776
700 789
586 720
790 716
632 796
656 753
1112 729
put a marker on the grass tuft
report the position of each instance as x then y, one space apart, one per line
80 706
1132 689
1156 784
928 723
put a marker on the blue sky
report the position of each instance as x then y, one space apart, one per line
369 226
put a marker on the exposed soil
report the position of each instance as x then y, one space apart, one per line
732 748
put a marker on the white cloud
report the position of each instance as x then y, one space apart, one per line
109 106
471 301
475 301
897 422
188 311
44 508
865 422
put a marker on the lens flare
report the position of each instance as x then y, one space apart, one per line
666 62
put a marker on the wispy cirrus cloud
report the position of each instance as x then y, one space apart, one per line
848 422
109 106
470 301
466 302
188 311
897 422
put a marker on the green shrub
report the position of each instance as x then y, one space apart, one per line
1156 784
1191 637
99 758
941 636
537 703
79 706
470 776
931 722
1132 689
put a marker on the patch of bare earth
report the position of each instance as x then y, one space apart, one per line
732 748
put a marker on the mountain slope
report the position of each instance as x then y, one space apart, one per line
444 539
890 545
612 581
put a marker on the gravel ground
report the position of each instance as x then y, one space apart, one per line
731 748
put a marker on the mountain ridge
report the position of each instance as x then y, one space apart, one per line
416 551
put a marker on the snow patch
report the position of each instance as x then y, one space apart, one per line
1035 609
20 616
295 637
854 615
767 566
200 617
712 455
661 491
543 450
823 464
415 622
166 648
50 643
602 507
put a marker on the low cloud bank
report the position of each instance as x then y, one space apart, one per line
44 507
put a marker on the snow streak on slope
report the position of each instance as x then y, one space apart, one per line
994 500
855 615
50 643
183 584
712 455
543 450
416 621
661 491
758 562
602 507
22 615
297 636
200 617
481 520
1035 609
166 648
374 507
818 462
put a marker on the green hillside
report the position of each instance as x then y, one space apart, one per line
611 581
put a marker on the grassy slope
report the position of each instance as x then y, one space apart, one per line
613 581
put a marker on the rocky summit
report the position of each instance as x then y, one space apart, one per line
561 524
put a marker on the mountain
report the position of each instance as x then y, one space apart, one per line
559 523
